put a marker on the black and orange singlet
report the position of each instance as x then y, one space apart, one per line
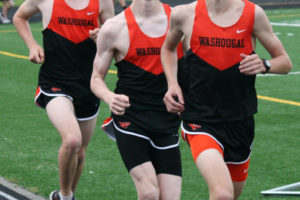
68 49
217 91
141 78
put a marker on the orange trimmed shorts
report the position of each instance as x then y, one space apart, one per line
235 149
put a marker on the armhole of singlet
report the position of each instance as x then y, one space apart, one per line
96 3
249 14
50 18
168 10
194 24
252 10
128 17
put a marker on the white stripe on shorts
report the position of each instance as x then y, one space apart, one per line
146 138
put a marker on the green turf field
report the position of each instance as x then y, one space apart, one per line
29 143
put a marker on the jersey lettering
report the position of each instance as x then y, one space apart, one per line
147 51
76 22
221 42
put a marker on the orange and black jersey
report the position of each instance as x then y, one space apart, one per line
217 91
69 52
141 78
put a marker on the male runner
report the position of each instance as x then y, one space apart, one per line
64 78
146 134
220 100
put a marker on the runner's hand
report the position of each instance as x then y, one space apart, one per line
93 34
119 103
174 100
36 54
251 64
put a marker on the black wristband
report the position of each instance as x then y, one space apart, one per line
267 65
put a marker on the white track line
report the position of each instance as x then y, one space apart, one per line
291 73
285 24
18 189
2 194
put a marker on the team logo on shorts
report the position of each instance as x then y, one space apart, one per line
54 89
124 124
194 126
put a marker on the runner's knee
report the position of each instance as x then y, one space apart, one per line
147 187
72 145
148 191
222 193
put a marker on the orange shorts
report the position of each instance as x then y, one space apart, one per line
199 143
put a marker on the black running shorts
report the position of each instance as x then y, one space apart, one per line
86 105
235 138
138 146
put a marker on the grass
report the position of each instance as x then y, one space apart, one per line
29 143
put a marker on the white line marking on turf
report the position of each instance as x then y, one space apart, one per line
7 196
291 73
19 190
285 24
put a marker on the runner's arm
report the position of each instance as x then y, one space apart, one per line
105 52
262 30
20 19
173 98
